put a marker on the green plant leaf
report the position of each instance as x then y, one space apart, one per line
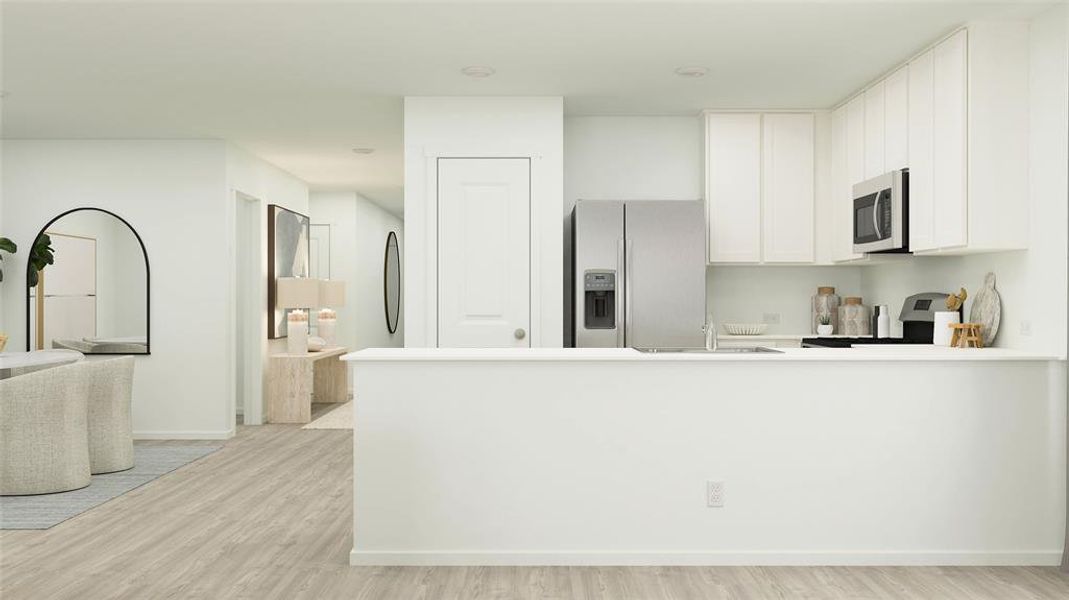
8 246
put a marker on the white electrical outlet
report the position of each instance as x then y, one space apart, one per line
772 318
1026 328
714 494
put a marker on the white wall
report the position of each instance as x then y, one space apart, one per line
662 157
1032 283
373 224
357 247
739 294
179 196
172 193
483 127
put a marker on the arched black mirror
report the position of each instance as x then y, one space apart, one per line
88 285
391 282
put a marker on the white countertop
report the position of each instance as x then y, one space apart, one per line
891 353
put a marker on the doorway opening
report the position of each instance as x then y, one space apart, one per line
249 311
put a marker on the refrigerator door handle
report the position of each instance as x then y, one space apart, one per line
621 260
628 255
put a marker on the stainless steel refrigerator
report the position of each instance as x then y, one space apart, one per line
639 273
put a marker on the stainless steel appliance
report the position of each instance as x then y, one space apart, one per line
639 273
918 324
881 213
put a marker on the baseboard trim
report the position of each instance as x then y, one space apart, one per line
184 435
401 558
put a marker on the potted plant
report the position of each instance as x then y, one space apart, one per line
40 257
824 327
7 246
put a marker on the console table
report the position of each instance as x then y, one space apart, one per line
294 379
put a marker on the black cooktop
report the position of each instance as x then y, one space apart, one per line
848 342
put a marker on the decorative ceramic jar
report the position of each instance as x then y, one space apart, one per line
826 302
941 330
297 332
326 325
854 318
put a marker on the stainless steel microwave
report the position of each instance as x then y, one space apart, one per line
881 213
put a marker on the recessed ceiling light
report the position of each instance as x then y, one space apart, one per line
478 72
692 72
363 150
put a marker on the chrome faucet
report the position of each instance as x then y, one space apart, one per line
711 341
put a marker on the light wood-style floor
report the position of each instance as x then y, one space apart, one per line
268 516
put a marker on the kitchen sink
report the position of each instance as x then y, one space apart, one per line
730 350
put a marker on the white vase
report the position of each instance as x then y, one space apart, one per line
326 329
297 337
941 332
825 329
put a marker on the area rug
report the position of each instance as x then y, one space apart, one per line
339 418
47 510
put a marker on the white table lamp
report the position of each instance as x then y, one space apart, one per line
331 294
297 293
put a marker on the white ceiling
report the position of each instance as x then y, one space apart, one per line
301 84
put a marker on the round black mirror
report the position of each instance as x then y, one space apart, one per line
391 282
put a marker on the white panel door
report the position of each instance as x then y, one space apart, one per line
949 141
921 194
788 196
484 245
733 179
874 131
896 120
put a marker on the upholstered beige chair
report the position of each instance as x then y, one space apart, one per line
111 442
44 443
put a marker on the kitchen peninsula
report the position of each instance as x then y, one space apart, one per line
894 455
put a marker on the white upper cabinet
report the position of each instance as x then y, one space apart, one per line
733 186
957 117
896 120
921 163
848 153
949 115
759 176
874 131
855 141
787 198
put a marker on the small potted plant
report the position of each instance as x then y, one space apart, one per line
825 327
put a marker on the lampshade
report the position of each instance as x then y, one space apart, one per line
331 293
296 292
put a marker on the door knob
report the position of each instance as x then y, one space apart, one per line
520 333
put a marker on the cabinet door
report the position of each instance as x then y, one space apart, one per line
855 143
733 187
841 205
896 120
874 131
787 176
921 167
949 141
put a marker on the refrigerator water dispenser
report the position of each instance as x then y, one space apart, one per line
599 300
